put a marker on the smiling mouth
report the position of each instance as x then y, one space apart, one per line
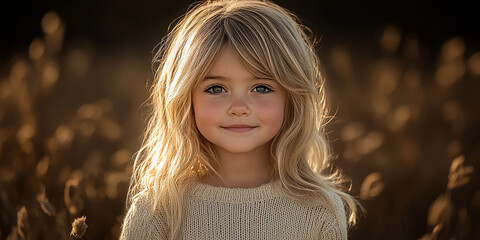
239 129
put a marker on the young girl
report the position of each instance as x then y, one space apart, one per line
235 148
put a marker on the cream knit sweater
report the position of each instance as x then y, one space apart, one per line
239 213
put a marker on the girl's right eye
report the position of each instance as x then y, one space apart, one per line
215 89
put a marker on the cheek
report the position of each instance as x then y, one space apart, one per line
205 112
272 113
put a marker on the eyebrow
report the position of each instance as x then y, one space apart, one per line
222 78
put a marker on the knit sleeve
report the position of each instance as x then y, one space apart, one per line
333 232
334 224
142 223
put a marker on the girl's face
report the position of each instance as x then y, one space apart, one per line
236 111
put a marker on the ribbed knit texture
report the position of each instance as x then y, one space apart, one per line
239 213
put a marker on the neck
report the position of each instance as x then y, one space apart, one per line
245 170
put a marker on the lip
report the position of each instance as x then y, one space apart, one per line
239 128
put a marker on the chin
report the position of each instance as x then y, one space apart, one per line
239 151
248 149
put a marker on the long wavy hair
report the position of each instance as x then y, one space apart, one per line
272 43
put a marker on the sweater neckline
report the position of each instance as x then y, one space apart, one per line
234 195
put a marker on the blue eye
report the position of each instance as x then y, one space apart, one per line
262 89
215 89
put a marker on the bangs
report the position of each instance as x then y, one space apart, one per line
268 44
252 49
275 51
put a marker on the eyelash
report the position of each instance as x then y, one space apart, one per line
268 88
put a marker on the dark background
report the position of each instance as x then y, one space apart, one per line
139 25
399 159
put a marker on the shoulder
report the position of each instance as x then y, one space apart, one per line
333 221
325 214
142 222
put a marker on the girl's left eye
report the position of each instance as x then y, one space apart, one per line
262 89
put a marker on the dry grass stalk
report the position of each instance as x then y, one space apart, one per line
79 227
22 223
45 205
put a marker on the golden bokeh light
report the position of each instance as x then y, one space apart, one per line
50 22
352 131
90 111
439 211
453 49
18 72
5 90
341 62
49 77
399 118
474 64
450 72
385 78
110 129
42 166
64 135
121 158
78 61
37 49
459 173
370 142
372 186
390 38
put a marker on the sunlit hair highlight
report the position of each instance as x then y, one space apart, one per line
271 43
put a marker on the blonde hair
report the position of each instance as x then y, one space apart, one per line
271 43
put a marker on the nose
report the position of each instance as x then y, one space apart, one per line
238 108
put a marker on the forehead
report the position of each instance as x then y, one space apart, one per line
228 65
227 79
226 61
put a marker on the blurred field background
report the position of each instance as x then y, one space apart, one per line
403 81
